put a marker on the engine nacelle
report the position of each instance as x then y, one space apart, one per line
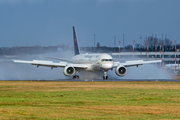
69 71
121 71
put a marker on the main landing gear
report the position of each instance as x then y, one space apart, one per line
105 77
76 76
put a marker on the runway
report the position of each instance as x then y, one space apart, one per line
24 72
101 80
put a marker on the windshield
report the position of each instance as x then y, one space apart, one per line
106 60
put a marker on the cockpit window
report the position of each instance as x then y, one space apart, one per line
106 60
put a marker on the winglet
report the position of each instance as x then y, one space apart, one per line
76 48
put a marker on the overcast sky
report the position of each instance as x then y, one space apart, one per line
49 22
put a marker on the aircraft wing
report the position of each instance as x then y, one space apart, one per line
60 59
51 63
135 63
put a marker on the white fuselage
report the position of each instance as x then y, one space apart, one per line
94 62
172 66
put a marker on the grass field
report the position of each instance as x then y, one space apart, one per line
89 100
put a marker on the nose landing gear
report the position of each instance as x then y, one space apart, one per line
105 77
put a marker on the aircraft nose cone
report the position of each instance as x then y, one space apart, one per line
107 66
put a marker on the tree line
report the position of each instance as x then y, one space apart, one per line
154 43
168 47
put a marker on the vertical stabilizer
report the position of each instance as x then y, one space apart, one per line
76 48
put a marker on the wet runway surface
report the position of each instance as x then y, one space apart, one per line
98 80
16 71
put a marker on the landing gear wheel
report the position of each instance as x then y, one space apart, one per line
76 77
105 77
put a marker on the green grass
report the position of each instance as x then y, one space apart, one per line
89 100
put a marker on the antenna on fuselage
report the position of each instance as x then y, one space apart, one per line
76 48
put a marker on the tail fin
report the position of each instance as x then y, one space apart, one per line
76 48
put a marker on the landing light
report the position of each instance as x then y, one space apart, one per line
86 66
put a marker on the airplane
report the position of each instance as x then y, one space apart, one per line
90 62
172 67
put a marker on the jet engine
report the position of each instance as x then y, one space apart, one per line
120 71
69 71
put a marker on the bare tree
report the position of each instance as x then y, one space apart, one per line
168 44
98 44
137 46
152 40
130 47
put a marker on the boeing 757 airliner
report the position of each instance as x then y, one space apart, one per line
89 62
